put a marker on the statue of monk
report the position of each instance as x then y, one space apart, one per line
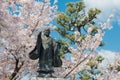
47 50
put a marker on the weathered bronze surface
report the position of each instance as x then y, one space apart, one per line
47 51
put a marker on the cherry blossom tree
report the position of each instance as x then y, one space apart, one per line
20 22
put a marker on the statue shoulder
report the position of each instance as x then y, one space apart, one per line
40 33
53 40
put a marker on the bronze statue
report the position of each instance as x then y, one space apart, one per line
47 50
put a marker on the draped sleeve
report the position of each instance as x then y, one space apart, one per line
35 53
57 59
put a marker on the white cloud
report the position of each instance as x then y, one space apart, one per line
108 55
106 6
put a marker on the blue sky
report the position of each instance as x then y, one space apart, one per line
112 37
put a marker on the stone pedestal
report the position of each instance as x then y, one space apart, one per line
39 78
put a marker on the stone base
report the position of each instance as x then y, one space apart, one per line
39 78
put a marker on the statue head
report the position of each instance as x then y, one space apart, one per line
46 32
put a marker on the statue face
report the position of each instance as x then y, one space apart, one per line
47 32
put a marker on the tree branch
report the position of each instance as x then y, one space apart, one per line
76 66
37 21
18 66
85 22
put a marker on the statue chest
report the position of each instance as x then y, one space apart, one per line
46 42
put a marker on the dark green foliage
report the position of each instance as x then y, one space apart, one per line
100 58
64 47
102 44
92 64
94 31
85 77
118 68
75 19
75 16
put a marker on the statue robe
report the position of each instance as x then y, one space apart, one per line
47 50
